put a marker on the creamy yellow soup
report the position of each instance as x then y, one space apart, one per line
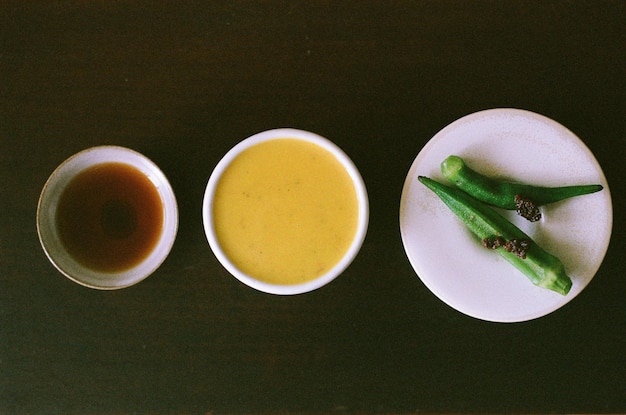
285 211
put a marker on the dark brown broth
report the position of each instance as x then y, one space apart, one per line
110 217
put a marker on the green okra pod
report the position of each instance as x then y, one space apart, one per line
503 194
542 268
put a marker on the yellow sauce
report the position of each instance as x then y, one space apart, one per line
285 211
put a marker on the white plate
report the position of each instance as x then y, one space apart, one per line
516 145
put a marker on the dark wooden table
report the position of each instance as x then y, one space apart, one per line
182 82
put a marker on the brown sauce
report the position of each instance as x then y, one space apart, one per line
110 217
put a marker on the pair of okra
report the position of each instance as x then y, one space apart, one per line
468 201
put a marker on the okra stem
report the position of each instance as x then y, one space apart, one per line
542 268
502 193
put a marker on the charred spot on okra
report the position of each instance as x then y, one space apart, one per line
526 208
517 246
493 243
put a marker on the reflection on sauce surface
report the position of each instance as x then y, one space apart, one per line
285 211
110 217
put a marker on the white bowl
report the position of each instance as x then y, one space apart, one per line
47 226
362 220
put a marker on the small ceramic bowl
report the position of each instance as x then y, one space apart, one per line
48 229
354 241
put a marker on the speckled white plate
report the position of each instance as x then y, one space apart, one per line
516 145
